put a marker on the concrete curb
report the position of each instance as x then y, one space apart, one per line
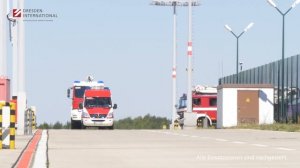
28 153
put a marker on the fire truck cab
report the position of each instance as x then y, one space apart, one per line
97 108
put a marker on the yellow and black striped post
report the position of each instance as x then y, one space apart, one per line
33 120
1 105
12 129
176 124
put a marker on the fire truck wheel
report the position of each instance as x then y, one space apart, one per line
111 127
73 124
82 126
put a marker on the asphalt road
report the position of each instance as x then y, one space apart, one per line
177 148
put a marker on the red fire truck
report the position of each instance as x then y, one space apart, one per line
97 108
76 93
204 105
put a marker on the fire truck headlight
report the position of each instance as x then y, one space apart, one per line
110 115
85 114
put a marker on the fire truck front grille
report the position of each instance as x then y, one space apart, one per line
98 115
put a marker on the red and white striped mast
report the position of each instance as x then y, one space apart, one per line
189 54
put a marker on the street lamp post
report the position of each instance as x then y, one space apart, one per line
21 95
174 4
237 46
3 50
272 3
189 108
14 42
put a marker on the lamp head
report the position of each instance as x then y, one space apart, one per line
249 26
295 3
272 3
175 2
228 28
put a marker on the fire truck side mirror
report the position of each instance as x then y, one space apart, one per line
80 106
68 93
115 106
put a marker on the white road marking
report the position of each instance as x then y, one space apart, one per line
238 142
259 145
176 134
151 131
167 133
286 149
205 137
221 140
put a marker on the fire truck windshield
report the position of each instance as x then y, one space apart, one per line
182 101
79 91
97 102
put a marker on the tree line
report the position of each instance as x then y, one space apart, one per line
141 122
145 122
56 125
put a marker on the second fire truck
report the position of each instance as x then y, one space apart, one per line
91 104
204 106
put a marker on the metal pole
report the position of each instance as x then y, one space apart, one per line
282 103
189 70
21 52
15 53
3 50
279 112
282 72
297 85
292 86
174 110
237 60
21 72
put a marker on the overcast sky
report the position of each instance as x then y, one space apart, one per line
128 45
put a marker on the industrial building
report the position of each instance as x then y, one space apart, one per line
286 101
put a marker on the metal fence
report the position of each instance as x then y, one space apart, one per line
271 74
